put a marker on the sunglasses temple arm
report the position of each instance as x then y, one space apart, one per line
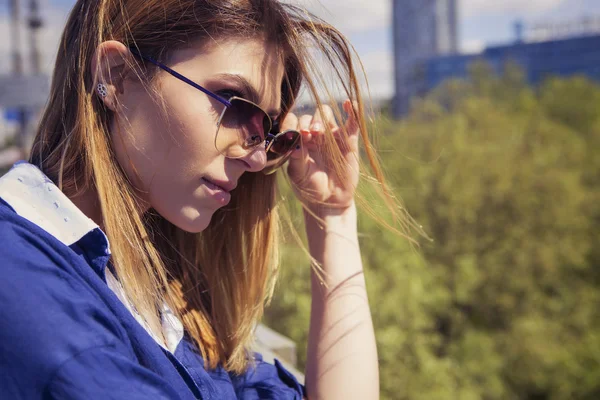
183 78
269 141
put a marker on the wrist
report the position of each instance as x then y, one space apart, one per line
331 220
321 213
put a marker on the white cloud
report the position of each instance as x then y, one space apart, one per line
351 16
472 46
472 8
574 9
355 16
378 67
380 73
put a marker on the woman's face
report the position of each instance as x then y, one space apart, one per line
171 159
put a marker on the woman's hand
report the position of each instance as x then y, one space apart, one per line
341 359
314 178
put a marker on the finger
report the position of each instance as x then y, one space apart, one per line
304 123
298 163
305 136
348 141
323 118
352 125
298 150
290 122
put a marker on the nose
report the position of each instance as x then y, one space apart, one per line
256 160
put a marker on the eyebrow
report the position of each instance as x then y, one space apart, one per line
250 90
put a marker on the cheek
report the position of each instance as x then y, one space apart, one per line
149 142
139 141
165 158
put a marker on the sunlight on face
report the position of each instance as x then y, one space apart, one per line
171 157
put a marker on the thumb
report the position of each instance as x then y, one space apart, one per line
299 157
298 164
352 126
349 141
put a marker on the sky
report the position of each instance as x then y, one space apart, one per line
367 23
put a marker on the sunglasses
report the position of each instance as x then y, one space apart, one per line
243 126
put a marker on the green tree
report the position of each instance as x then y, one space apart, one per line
502 303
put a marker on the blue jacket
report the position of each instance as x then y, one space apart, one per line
64 334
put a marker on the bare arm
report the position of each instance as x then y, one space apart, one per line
342 355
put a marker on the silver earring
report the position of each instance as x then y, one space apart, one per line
102 90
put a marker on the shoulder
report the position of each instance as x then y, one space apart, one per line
17 234
41 281
264 380
26 250
48 312
39 274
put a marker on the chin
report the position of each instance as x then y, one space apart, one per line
195 225
190 220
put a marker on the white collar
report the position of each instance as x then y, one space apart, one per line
36 198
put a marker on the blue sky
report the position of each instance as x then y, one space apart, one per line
368 25
482 23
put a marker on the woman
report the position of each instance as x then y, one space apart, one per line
165 123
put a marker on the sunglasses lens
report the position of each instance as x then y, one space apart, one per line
283 143
242 127
282 147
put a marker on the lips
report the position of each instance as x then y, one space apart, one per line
219 185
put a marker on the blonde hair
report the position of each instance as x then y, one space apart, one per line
217 281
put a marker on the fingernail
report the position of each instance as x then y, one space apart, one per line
317 126
349 104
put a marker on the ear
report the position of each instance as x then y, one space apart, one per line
109 64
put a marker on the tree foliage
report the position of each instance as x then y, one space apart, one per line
503 302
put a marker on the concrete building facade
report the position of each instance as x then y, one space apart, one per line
539 60
422 29
426 49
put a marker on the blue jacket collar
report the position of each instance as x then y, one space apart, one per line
36 198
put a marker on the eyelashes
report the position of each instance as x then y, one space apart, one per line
229 93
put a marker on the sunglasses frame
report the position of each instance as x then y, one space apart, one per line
228 104
281 160
236 98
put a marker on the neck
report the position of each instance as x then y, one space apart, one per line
89 204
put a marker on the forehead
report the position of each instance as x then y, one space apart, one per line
253 59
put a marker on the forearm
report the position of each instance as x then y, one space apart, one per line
342 355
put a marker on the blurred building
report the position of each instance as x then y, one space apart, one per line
422 29
542 50
24 89
8 129
562 57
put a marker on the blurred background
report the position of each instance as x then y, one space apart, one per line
488 122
